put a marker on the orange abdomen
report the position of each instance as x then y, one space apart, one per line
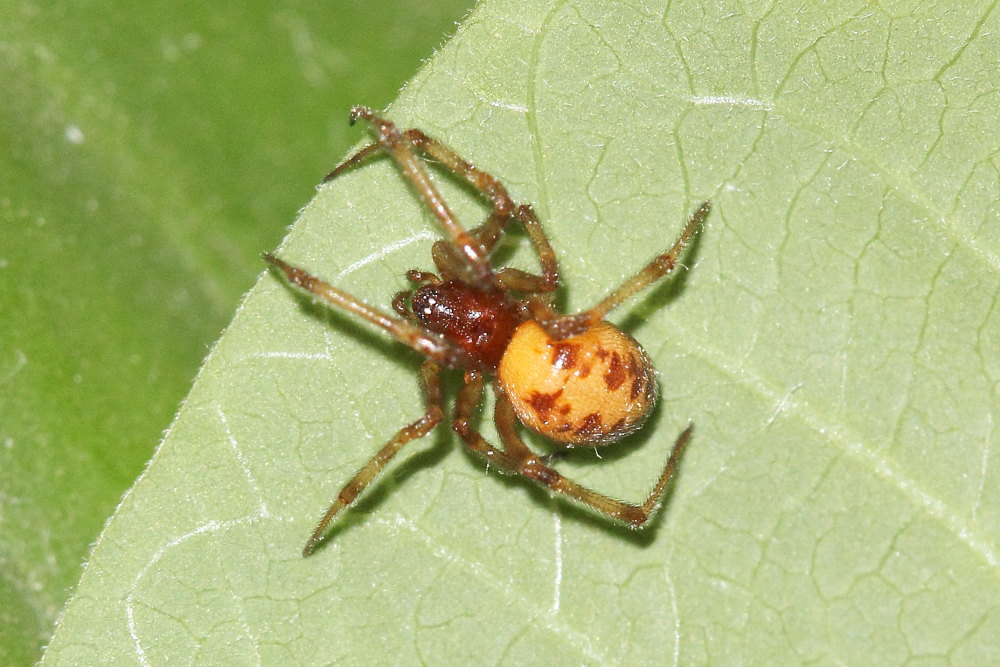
590 389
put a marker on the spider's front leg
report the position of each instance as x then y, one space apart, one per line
453 255
475 264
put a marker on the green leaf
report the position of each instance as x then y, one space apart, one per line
149 155
834 342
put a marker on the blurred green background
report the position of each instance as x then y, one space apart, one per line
150 153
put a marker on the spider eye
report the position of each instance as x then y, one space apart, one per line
590 389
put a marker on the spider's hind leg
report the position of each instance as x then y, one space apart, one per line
536 468
516 457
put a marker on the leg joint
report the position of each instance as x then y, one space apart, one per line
534 469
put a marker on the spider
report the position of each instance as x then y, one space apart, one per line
575 379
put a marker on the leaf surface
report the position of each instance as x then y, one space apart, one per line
834 342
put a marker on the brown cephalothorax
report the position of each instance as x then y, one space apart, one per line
575 379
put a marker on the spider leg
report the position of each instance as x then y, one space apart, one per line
482 181
491 188
353 161
430 382
468 398
450 257
517 457
476 266
534 467
503 209
511 278
446 258
660 266
431 346
489 232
